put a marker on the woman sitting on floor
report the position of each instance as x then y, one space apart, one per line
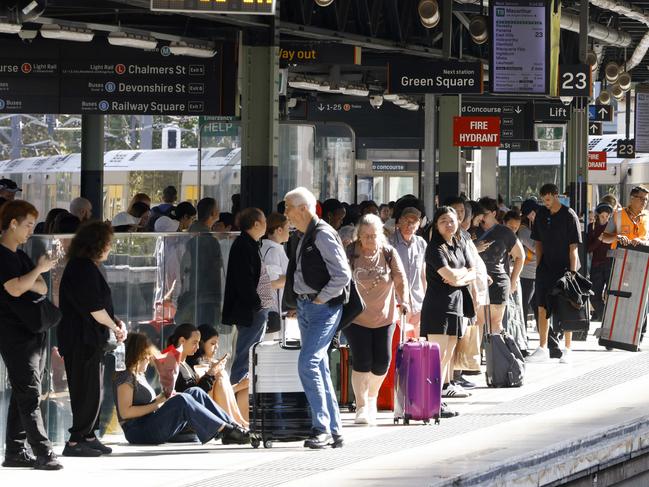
150 419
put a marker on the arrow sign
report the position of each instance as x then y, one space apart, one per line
321 107
518 110
594 128
600 113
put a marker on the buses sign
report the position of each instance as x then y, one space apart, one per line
476 131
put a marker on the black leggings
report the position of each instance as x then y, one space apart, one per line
371 348
527 286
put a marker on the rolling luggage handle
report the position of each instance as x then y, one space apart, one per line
294 344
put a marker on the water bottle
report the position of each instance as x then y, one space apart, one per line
120 356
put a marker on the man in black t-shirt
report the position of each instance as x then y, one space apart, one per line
503 244
557 233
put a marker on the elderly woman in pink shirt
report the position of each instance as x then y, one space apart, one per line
381 280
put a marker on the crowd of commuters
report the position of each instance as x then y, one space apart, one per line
442 278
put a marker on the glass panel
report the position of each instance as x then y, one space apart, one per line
377 190
365 188
297 163
157 281
400 186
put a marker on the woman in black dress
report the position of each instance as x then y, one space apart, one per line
449 270
87 307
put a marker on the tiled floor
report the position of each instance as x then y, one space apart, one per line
500 433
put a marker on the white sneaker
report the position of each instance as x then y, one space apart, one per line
371 412
540 355
361 416
566 356
455 390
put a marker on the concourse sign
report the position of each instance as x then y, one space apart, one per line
476 131
437 77
595 128
515 124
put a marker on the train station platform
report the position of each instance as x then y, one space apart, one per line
567 421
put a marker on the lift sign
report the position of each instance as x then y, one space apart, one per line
476 131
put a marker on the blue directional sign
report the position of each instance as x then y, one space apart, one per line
600 113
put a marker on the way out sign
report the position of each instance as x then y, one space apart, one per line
597 161
476 131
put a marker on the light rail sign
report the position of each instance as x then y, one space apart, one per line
476 131
439 77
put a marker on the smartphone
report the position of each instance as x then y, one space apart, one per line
226 356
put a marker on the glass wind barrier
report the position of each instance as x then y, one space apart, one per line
157 281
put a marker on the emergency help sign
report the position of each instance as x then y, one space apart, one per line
476 131
597 161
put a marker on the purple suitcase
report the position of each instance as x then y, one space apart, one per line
418 384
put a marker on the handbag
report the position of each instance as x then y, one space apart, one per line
38 315
274 323
354 307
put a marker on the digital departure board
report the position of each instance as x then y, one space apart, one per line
252 7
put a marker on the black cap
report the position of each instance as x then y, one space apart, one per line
9 185
528 207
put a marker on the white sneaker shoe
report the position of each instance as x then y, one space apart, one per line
540 355
371 412
361 416
566 356
455 390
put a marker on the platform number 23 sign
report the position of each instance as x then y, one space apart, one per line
574 80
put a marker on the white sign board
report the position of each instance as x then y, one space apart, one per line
642 120
520 46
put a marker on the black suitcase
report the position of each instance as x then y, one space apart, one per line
504 360
279 410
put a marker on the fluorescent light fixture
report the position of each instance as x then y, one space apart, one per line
304 84
413 107
131 40
354 90
390 96
10 28
54 31
184 49
325 87
400 102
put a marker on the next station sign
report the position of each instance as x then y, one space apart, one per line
442 77
476 131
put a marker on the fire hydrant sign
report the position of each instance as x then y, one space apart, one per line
597 161
476 131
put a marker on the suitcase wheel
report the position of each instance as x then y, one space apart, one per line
268 444
426 421
396 420
406 421
255 442
436 420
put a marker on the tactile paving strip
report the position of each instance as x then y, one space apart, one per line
305 463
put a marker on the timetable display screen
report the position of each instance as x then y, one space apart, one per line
252 7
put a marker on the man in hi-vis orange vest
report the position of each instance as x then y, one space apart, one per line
630 225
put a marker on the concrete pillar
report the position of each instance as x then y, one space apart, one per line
577 155
452 174
259 71
92 162
489 172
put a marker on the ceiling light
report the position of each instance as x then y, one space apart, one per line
325 87
400 101
591 59
354 90
428 13
10 28
131 40
412 107
54 31
478 29
612 72
624 80
323 3
390 96
604 98
617 92
184 49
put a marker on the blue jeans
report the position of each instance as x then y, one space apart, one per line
318 324
247 336
192 408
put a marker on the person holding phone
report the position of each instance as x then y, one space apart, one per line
214 379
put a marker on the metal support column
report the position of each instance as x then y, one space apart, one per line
92 162
489 172
259 71
16 137
451 171
429 154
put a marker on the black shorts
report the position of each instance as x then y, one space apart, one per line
451 325
499 289
545 281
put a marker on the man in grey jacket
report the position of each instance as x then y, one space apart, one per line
317 284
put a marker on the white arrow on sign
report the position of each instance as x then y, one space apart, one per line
518 110
594 128
321 107
603 112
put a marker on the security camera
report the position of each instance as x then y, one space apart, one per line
566 100
376 101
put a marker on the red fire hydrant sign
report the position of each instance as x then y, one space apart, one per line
597 161
476 131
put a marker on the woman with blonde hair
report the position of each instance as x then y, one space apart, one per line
381 281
